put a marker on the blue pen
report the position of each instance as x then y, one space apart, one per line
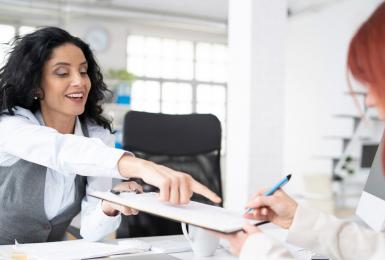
272 190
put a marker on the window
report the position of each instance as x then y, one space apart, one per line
7 33
23 30
178 76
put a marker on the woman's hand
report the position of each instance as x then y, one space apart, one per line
175 187
112 209
238 239
278 208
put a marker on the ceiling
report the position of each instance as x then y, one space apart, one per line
207 10
210 9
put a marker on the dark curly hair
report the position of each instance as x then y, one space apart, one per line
20 77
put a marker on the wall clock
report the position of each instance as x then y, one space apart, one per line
98 38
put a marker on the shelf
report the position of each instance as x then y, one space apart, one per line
116 106
358 93
332 157
348 116
374 118
326 157
356 117
334 137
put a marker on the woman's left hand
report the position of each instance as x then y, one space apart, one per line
237 240
112 209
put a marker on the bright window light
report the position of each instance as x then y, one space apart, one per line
176 98
178 76
147 96
7 32
23 30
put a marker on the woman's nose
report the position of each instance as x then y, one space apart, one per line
76 79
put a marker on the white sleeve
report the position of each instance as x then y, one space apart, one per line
263 247
64 153
95 225
337 239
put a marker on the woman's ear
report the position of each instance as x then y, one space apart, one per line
39 94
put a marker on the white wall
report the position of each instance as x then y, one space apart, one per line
118 23
255 98
316 51
115 56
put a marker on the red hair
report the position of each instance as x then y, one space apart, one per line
366 56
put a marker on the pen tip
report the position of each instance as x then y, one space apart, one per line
288 177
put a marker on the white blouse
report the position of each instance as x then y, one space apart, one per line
321 233
24 136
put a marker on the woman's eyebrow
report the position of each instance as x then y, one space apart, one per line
61 63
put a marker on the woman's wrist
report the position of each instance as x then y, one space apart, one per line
128 166
291 216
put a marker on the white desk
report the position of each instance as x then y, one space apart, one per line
220 254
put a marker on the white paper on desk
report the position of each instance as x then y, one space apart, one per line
170 246
195 213
74 249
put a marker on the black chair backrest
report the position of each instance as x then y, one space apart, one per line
189 143
171 134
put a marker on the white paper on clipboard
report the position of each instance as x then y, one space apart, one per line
195 213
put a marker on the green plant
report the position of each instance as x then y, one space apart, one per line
121 74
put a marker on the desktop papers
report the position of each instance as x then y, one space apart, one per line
195 213
70 250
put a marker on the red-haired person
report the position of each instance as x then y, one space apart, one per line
310 228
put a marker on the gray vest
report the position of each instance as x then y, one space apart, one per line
22 212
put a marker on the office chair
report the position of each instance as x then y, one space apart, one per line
189 143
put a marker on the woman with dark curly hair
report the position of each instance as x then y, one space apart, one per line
54 145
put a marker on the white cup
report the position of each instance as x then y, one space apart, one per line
202 242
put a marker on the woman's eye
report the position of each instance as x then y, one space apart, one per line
61 73
83 71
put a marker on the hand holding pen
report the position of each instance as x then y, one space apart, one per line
272 205
272 190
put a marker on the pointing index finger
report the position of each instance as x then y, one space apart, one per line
204 191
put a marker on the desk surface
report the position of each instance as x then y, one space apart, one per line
220 254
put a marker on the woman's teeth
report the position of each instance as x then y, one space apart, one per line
75 95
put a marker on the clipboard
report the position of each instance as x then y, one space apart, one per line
194 213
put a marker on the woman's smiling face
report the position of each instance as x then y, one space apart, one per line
65 81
